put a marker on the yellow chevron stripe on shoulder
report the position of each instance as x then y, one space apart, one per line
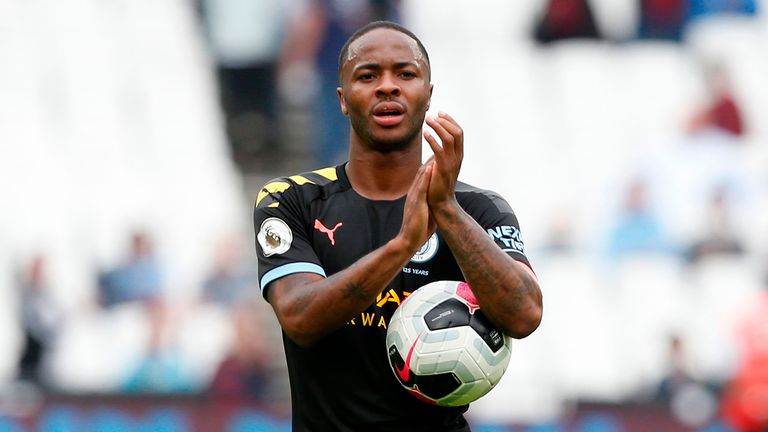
329 173
300 180
273 187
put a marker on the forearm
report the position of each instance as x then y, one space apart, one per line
310 310
508 293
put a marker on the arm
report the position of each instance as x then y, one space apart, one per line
309 306
507 290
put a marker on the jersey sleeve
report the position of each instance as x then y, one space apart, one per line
281 230
496 217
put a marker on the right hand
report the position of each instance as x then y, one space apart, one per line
418 224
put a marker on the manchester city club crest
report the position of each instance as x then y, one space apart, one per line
427 250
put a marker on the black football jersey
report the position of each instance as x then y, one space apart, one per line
316 223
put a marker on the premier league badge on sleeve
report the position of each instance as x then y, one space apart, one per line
274 237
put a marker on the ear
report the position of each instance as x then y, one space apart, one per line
429 101
342 102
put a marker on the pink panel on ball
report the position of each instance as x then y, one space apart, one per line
463 291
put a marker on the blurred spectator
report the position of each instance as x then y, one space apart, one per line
677 374
161 370
244 375
638 229
722 112
314 42
245 38
719 238
41 318
667 19
566 19
138 278
663 19
559 235
234 277
705 8
691 401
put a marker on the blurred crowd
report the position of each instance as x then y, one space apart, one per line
133 309
662 226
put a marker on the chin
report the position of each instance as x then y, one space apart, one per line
392 140
390 143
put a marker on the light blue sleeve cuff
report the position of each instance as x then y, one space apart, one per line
285 270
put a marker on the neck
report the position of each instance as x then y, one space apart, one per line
383 176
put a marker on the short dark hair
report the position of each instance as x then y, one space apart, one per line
344 53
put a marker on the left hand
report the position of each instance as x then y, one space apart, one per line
447 159
417 225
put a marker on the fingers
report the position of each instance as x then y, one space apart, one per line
423 178
452 126
433 144
417 220
447 158
420 184
449 131
445 136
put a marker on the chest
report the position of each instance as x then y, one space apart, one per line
347 228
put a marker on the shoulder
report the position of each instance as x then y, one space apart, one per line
473 197
305 186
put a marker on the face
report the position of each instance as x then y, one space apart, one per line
385 90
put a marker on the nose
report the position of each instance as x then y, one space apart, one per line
388 86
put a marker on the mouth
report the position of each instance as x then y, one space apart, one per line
388 114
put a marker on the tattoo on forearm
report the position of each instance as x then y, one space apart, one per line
354 292
468 250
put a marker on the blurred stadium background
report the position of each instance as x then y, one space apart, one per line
630 138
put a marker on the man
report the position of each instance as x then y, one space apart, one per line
340 247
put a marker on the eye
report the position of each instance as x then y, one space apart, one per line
408 74
366 77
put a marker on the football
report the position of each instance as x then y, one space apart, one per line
442 348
